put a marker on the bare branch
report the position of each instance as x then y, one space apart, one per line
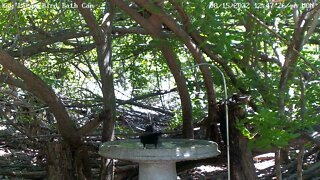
145 96
91 125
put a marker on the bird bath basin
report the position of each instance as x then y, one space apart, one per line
159 163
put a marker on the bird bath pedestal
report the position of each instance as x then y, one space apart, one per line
159 163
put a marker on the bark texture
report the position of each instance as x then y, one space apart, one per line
241 159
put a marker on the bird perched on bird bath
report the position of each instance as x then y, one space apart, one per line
149 136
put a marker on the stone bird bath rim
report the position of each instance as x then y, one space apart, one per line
159 163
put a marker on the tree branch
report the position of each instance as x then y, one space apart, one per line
145 96
91 125
194 50
200 42
92 23
152 26
39 88
41 45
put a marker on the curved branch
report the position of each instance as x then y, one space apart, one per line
39 88
41 45
91 22
152 26
148 95
200 43
194 50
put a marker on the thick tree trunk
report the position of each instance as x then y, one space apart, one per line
103 40
65 163
109 102
242 165
241 159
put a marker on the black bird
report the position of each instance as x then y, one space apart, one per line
150 138
149 128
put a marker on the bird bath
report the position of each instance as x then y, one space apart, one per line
159 163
